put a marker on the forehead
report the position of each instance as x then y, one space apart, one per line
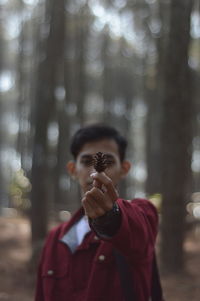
108 146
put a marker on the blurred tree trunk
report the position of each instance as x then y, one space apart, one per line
1 159
125 89
154 96
153 122
62 155
196 87
1 115
1 174
63 133
82 31
176 135
44 106
22 98
108 77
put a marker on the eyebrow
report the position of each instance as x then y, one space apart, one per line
86 157
109 156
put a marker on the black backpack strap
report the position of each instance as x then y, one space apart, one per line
127 281
125 276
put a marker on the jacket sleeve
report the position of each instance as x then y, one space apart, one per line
107 224
136 234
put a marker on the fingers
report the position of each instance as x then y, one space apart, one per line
101 197
96 203
107 184
91 209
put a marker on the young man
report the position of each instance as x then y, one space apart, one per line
78 261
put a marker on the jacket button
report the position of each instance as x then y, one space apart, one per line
49 272
101 257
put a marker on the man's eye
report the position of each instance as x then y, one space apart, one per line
86 162
110 163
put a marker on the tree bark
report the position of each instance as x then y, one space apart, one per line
44 106
176 136
154 102
2 184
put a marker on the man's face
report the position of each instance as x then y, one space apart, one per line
82 166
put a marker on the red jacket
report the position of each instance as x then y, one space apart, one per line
90 274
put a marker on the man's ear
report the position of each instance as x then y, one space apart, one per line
125 167
71 168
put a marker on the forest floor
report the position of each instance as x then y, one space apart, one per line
17 281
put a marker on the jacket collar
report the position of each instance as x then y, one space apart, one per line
92 238
67 225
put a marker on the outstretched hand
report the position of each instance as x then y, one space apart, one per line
101 197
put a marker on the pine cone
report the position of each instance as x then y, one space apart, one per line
100 162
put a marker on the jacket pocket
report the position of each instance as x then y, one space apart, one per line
55 282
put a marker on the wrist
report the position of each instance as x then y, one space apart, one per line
108 223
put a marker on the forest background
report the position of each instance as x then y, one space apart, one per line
134 64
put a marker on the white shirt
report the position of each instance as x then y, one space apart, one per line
74 237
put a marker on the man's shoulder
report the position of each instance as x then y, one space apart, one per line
144 202
138 201
140 204
57 230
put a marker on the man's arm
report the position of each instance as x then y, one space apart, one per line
133 230
107 224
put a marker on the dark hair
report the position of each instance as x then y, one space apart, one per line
96 132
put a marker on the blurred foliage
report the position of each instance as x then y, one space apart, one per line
156 199
19 192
